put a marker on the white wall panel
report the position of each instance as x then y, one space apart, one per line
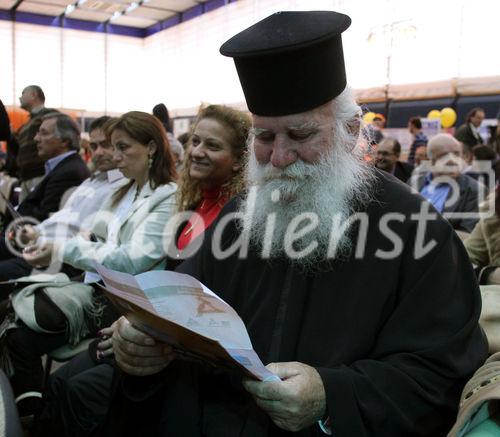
38 60
129 79
83 70
6 73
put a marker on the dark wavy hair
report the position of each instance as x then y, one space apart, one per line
472 113
145 128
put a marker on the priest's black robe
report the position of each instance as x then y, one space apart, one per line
394 339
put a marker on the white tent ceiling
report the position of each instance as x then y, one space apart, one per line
133 13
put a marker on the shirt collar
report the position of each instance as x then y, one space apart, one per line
111 175
474 130
36 109
52 163
114 175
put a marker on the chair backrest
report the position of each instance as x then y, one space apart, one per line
7 183
9 417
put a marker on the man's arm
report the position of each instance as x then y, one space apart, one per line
474 195
57 185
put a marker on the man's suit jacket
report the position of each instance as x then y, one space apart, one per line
46 197
403 171
29 164
470 195
465 135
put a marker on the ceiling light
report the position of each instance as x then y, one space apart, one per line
133 6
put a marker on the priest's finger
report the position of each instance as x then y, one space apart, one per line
126 332
142 361
140 371
271 407
285 370
132 349
264 390
140 367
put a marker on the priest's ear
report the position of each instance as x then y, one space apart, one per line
354 126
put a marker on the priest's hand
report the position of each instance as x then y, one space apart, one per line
296 402
39 255
137 353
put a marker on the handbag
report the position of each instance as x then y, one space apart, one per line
479 410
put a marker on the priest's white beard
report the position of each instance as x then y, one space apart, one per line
325 193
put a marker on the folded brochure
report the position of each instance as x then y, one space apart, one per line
179 310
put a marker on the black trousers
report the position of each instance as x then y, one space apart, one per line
11 267
26 347
5 253
76 398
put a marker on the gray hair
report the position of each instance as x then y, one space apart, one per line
65 129
440 140
176 147
345 107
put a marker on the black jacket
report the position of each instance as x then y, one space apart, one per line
465 135
403 171
382 334
46 197
467 201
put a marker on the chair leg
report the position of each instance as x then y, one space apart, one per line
48 367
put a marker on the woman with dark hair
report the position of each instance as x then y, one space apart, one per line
160 111
468 133
213 172
127 235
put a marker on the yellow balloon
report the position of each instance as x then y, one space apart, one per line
448 117
434 114
368 117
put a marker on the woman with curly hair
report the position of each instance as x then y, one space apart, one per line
213 172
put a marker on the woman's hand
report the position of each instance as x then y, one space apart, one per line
39 255
105 345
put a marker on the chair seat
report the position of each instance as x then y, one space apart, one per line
66 352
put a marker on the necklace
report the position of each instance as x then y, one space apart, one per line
195 221
207 204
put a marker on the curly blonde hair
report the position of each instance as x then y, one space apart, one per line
189 193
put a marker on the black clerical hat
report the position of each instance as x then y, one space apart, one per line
290 62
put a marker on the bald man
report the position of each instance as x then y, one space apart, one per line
453 194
